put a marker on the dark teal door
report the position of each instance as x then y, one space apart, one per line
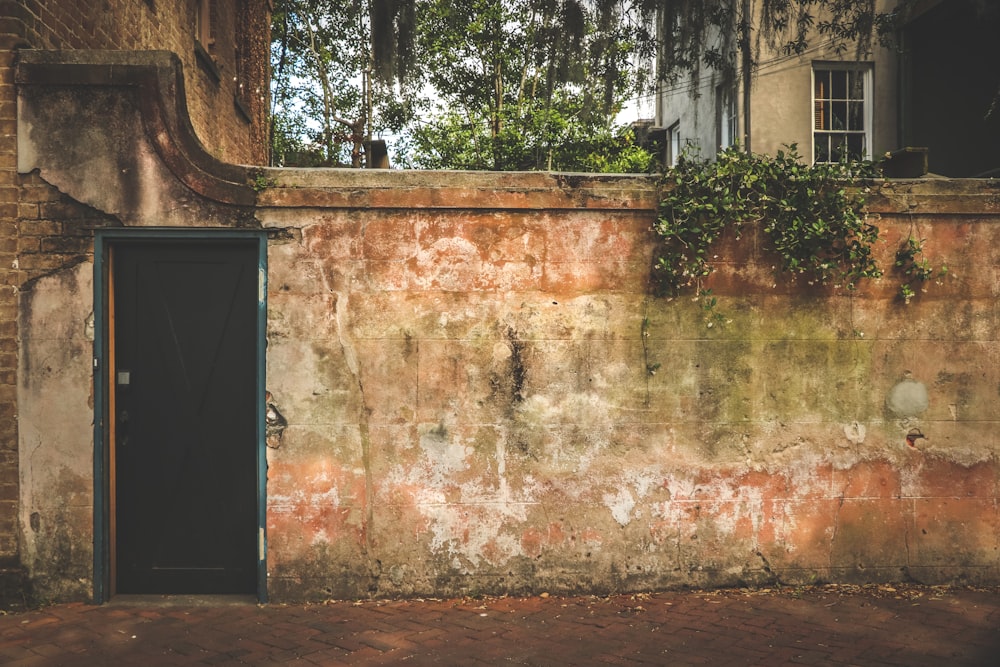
185 400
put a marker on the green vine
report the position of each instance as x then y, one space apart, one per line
813 222
915 268
259 181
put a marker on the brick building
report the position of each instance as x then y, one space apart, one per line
223 48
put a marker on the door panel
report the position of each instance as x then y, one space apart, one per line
185 400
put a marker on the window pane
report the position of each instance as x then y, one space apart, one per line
856 146
822 149
822 115
857 90
856 116
838 87
838 143
838 119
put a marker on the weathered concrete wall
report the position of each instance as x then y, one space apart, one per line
56 416
487 397
484 394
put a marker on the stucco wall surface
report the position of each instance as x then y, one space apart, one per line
484 393
488 399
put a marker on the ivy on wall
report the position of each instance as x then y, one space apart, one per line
812 217
815 225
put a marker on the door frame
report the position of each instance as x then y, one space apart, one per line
105 240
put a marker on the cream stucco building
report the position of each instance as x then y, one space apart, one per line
932 89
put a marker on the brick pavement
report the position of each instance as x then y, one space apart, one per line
833 625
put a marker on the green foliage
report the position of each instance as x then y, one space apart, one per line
813 222
259 182
915 268
337 69
524 85
529 139
514 84
458 84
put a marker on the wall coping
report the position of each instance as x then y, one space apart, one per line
157 77
932 196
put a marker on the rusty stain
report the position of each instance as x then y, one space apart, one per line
913 435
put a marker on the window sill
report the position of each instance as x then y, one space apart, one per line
206 61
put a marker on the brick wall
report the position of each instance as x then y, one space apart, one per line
10 278
227 132
42 230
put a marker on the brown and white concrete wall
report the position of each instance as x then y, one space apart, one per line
484 393
489 397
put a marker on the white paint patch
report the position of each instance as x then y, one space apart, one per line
443 455
621 505
635 486
720 501
908 398
855 432
470 520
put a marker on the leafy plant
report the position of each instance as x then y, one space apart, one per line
813 221
259 182
914 267
708 304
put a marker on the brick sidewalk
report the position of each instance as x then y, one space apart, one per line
834 625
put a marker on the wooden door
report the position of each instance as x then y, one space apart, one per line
184 401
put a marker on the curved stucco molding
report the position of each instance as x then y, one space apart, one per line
111 129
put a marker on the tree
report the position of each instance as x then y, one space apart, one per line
511 84
333 63
472 84
523 84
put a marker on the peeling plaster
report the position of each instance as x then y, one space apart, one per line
463 362
855 433
908 398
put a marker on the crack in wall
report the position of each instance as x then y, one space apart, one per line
766 566
836 526
364 414
906 537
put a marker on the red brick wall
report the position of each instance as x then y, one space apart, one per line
10 278
132 25
40 229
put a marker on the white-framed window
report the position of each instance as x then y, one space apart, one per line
726 117
842 111
673 144
203 23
